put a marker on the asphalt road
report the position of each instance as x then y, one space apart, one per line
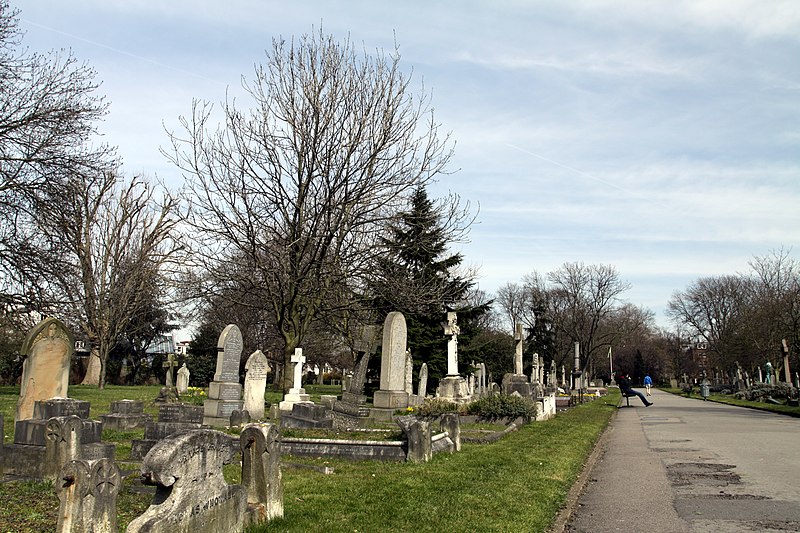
687 465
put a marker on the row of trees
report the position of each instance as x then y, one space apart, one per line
744 318
304 217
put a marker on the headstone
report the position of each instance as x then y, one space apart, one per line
191 492
392 393
760 376
255 384
261 472
409 379
225 392
451 423
422 387
296 393
418 438
240 418
47 350
182 383
92 376
365 345
87 491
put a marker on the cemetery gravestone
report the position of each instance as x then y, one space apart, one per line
255 384
261 472
92 376
191 492
422 388
225 392
47 350
88 491
182 383
392 393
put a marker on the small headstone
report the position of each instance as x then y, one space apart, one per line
255 384
47 350
88 491
418 438
261 472
191 492
172 418
409 385
182 383
422 388
240 418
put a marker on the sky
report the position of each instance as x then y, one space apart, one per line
659 137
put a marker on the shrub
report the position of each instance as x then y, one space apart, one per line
433 407
502 406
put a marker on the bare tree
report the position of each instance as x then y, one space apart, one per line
297 188
48 112
118 244
583 298
711 309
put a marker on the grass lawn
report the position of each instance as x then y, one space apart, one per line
518 483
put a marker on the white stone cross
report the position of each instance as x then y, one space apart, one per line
298 359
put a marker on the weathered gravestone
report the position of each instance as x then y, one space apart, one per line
422 386
47 350
418 438
225 392
261 472
392 393
191 493
352 407
255 384
169 364
182 382
172 418
126 415
93 367
88 491
59 431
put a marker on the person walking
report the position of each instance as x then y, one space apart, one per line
648 382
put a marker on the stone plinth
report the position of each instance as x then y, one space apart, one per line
172 418
516 383
454 389
126 415
390 399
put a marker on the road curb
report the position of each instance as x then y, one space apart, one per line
571 503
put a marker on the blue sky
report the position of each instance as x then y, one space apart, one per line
661 137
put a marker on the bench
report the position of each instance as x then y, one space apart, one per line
627 398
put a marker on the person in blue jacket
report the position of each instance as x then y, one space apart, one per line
648 382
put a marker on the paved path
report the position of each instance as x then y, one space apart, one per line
685 465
